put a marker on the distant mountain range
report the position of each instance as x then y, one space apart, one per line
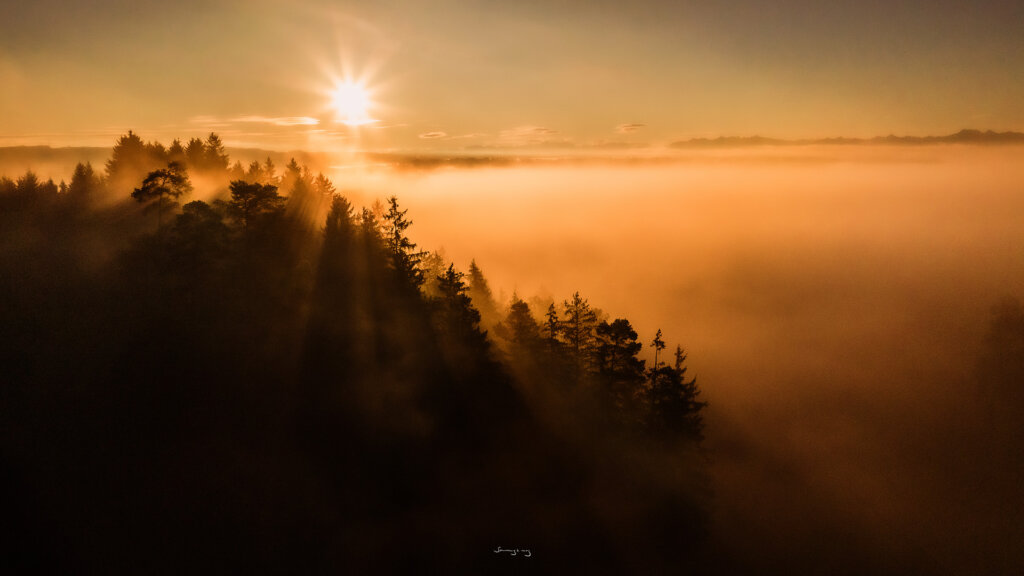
961 137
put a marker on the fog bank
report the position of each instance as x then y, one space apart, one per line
834 306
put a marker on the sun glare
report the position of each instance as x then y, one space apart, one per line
351 103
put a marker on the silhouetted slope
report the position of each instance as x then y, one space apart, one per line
245 386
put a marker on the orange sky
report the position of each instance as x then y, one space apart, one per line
457 74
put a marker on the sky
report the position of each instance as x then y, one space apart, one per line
480 74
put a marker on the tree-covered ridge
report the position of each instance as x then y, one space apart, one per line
327 385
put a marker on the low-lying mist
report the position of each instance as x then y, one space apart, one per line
852 315
834 303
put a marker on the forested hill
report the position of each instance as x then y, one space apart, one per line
58 162
274 380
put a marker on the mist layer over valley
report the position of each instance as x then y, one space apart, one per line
852 315
836 305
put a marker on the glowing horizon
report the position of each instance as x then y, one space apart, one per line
530 75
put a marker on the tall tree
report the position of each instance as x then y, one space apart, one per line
659 345
340 224
323 186
164 185
297 184
269 174
292 174
320 194
84 183
215 158
49 189
237 171
404 256
433 266
577 330
200 232
127 153
176 153
457 318
129 163
519 329
253 174
156 152
250 201
332 344
618 367
552 327
369 225
195 154
483 298
674 408
28 185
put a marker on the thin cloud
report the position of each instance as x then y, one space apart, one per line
432 135
213 121
615 145
532 136
385 126
527 132
280 120
628 128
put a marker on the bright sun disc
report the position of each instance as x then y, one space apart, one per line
351 103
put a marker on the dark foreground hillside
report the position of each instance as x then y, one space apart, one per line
272 382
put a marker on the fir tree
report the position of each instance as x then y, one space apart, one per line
481 294
129 163
519 329
674 410
323 187
577 329
457 314
195 154
176 153
618 367
84 183
404 256
269 173
658 345
552 326
215 158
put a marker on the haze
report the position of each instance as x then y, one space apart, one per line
224 350
834 304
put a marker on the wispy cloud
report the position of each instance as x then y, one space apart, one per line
527 132
433 135
279 120
628 128
214 121
386 126
614 145
530 136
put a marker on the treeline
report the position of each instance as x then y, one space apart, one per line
270 379
132 160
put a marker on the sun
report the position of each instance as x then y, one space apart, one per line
351 102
